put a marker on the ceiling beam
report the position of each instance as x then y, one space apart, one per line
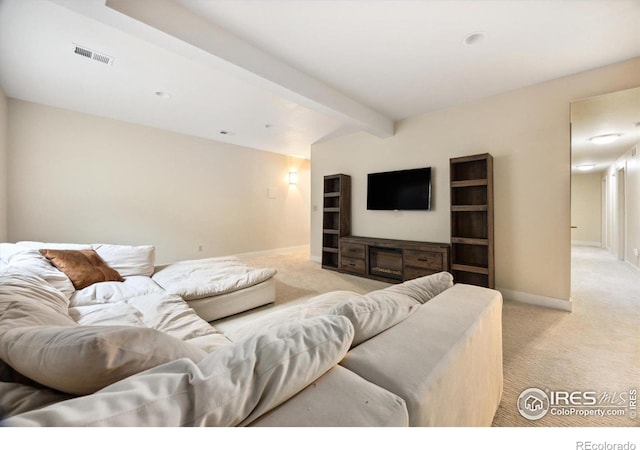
169 25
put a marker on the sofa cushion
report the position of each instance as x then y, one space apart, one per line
81 360
232 386
208 277
26 300
425 288
31 261
16 398
115 291
374 312
369 314
83 267
279 314
167 313
19 394
128 260
339 398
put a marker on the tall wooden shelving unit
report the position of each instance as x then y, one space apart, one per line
336 217
472 242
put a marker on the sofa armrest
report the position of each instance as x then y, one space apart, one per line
445 360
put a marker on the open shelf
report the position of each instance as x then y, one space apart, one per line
336 217
469 183
459 240
472 251
467 208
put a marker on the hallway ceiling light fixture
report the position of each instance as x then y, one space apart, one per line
605 138
585 167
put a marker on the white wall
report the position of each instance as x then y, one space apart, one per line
527 132
81 178
4 117
630 162
586 209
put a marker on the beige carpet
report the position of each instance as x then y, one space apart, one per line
594 348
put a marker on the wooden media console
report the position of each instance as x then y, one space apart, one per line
392 260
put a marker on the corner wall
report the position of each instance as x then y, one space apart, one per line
4 117
80 178
527 132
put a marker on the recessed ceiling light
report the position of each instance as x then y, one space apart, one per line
163 94
605 138
474 38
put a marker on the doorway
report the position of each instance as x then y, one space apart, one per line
605 177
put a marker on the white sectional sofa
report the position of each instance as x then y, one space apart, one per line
421 353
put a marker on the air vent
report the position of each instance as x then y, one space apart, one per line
88 53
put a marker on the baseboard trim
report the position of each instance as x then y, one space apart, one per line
539 300
587 243
633 266
273 251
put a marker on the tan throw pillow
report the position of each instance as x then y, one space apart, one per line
84 359
83 267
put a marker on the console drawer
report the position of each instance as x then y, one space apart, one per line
353 265
352 250
415 272
423 259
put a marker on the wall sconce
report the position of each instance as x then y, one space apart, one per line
293 177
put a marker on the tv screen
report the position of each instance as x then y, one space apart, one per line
400 190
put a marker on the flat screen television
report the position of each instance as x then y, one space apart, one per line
400 190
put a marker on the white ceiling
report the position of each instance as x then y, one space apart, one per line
614 113
281 75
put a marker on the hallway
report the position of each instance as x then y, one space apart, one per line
596 347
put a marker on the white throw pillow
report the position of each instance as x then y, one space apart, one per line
35 245
425 288
375 312
82 360
128 260
231 386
